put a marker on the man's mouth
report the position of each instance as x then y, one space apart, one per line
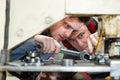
60 38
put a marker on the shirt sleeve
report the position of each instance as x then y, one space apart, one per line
20 52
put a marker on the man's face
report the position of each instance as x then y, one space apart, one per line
63 29
79 39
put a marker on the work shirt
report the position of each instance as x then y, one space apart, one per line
21 51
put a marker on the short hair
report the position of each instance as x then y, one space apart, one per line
84 19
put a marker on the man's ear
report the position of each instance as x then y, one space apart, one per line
92 25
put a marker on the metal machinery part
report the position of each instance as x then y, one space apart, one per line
44 18
67 62
115 71
32 59
85 56
100 63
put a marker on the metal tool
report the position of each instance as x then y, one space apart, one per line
84 55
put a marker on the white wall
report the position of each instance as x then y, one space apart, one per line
29 17
2 22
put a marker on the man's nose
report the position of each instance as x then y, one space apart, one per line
80 43
68 33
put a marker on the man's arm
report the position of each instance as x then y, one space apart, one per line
20 52
49 44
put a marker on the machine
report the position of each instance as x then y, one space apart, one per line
25 18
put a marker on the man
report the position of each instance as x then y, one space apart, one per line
86 37
82 39
49 39
74 24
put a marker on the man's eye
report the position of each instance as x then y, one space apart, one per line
67 26
80 35
74 32
72 40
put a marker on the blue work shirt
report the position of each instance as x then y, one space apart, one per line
30 45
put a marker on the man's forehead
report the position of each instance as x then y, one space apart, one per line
67 19
60 23
70 18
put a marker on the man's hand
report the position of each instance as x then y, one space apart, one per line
92 42
49 44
